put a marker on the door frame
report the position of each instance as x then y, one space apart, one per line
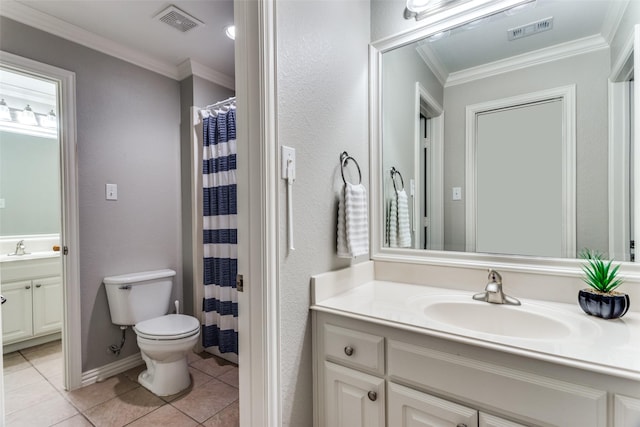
69 233
568 96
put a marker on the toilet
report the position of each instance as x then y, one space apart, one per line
141 300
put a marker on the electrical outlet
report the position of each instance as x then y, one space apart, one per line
287 154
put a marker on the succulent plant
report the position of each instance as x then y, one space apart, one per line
600 274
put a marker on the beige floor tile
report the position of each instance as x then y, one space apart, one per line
75 421
43 352
14 362
44 413
21 378
228 417
29 395
49 368
205 401
133 373
94 394
230 377
167 416
123 409
213 366
198 378
58 382
194 357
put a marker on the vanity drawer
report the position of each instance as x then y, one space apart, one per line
352 348
546 400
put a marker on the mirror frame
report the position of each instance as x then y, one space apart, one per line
525 264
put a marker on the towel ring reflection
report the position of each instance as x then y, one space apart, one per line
395 172
344 159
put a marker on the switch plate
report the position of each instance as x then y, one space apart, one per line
111 191
457 193
286 154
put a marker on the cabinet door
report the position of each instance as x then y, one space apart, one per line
487 420
627 411
47 305
411 408
353 398
17 323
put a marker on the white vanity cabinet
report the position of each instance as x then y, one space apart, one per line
422 380
34 307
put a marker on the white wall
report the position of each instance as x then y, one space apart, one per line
322 75
128 134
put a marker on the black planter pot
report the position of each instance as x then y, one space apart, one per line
605 306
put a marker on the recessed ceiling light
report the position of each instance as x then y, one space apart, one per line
230 31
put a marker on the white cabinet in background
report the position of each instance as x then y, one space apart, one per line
33 309
353 398
627 411
486 420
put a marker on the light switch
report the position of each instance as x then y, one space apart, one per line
288 163
457 193
112 192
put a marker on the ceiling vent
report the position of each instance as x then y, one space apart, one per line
530 29
178 19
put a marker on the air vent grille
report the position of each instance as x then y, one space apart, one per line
530 29
178 19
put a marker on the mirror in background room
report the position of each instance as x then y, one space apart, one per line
496 136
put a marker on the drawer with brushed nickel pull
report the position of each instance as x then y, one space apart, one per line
354 348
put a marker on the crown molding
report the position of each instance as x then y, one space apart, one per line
34 18
431 59
612 21
190 67
538 57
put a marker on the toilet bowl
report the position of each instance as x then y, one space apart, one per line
164 343
141 300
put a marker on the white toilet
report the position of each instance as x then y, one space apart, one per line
142 299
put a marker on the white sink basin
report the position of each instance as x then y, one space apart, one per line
528 321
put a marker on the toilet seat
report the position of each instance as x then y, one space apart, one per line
168 327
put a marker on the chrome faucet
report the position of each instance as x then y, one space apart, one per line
20 249
493 291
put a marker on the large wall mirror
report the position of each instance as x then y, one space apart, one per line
509 133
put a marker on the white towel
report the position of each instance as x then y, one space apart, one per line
393 222
343 249
404 227
353 224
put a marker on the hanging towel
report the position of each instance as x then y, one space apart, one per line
353 224
343 249
393 222
404 228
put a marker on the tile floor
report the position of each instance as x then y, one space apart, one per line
35 397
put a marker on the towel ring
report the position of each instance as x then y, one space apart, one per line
344 159
395 172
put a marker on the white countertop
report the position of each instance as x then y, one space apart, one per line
611 347
29 256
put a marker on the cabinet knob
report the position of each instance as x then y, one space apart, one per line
39 285
28 287
348 350
373 396
461 425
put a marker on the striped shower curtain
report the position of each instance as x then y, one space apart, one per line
220 234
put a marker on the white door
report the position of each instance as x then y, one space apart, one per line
353 398
412 408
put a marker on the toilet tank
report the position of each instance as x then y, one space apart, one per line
138 296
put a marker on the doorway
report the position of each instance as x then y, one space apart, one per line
39 219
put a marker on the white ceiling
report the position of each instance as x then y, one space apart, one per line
127 29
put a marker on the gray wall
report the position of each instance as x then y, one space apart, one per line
194 91
29 184
128 134
589 72
322 110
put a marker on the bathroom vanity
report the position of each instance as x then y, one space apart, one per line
32 285
408 354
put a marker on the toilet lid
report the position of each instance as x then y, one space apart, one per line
170 326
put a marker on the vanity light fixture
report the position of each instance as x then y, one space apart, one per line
230 31
49 121
421 9
5 112
27 116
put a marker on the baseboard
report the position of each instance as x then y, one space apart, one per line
10 348
111 369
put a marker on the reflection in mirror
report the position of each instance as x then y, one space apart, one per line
502 129
29 156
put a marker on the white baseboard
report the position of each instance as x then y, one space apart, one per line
111 369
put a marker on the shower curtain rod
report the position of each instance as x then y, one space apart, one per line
221 103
